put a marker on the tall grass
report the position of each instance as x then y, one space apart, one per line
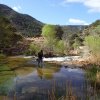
65 93
93 73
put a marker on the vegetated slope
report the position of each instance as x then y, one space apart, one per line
73 29
29 26
25 24
8 35
92 29
73 35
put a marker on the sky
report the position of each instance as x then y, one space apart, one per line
59 12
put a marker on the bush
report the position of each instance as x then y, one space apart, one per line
92 73
34 48
60 47
49 31
93 43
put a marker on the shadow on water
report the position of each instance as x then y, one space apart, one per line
49 82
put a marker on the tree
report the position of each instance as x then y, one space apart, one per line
49 31
8 37
59 32
60 47
53 43
34 48
77 42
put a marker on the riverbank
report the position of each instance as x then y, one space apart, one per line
70 61
67 61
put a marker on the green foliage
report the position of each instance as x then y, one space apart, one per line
8 38
25 24
93 29
49 31
5 32
96 23
77 43
60 47
92 73
96 30
52 42
93 42
72 41
34 48
59 32
72 29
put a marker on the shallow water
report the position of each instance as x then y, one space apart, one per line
37 83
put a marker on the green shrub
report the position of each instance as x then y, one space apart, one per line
93 43
49 31
60 47
91 73
34 48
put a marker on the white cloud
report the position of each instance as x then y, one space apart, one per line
93 5
77 21
17 8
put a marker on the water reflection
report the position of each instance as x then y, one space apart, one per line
43 79
35 82
6 83
40 72
47 71
23 71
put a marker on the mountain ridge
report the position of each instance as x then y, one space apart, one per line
29 26
24 23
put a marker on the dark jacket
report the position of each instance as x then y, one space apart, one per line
40 55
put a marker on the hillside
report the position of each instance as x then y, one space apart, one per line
24 24
29 26
69 30
73 29
8 35
92 29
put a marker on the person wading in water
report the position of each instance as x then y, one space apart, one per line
40 58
